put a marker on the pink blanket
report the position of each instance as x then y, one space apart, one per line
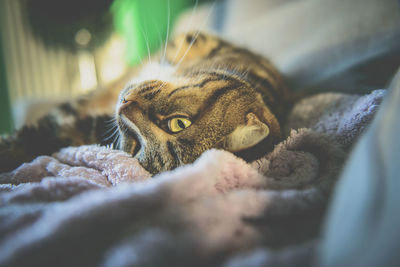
91 205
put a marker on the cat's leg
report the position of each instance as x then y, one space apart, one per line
192 46
82 121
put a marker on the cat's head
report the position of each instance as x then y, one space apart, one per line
170 122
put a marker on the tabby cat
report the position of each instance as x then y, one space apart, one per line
206 93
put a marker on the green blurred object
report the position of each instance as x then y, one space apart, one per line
6 124
144 24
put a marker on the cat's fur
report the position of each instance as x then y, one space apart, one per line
229 97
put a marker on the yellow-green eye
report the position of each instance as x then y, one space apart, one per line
178 124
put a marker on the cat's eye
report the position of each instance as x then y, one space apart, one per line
178 124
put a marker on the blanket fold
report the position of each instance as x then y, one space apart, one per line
92 205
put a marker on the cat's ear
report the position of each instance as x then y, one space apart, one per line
246 136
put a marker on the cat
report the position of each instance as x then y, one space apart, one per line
203 93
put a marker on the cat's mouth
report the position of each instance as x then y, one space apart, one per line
133 144
137 147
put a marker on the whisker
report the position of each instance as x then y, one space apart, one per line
110 122
115 130
156 26
196 35
146 39
186 29
167 37
162 58
141 60
139 55
116 144
148 47
107 136
112 128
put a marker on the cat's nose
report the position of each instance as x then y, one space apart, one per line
141 94
130 96
127 100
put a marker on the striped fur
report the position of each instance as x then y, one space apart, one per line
215 85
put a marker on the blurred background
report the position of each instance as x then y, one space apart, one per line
54 50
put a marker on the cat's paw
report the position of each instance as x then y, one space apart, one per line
191 46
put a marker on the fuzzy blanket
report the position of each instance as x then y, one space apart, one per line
91 205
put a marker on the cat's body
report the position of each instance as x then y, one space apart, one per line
205 94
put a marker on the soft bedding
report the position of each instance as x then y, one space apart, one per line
92 205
